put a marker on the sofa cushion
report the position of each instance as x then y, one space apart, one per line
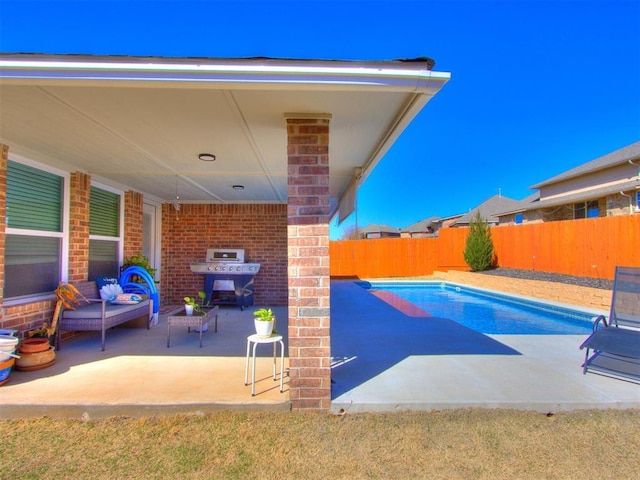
94 310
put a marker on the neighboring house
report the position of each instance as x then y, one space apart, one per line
445 222
606 186
379 231
424 228
488 210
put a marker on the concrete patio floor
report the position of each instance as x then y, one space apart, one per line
137 375
383 360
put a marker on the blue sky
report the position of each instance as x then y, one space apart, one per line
537 87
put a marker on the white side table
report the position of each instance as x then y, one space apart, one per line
255 340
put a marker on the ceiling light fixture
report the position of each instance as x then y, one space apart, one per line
176 202
238 187
207 157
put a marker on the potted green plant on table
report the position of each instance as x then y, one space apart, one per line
191 305
264 321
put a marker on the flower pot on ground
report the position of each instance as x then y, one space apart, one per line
264 321
35 360
34 345
5 370
8 345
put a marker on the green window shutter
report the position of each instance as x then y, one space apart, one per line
34 198
105 213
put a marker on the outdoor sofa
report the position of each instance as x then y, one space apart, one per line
100 315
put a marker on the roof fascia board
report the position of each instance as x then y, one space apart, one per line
386 77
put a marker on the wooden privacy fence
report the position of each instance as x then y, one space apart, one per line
587 248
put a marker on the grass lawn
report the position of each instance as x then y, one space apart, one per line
451 444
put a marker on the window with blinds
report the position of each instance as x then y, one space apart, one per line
34 198
104 233
33 249
105 213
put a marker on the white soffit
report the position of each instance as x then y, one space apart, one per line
139 123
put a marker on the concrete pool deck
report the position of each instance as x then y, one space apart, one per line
383 360
387 360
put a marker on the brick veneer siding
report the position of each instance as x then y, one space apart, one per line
557 292
261 229
133 208
80 185
308 245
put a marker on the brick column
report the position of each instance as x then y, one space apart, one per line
133 209
4 158
80 185
308 262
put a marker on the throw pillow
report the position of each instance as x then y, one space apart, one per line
110 290
125 299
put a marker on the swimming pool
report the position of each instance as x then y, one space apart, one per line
488 312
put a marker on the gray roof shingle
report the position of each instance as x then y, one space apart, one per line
622 155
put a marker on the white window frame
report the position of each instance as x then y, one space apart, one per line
120 238
64 235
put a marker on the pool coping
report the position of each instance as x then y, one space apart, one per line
568 306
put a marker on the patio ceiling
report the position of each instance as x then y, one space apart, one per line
140 123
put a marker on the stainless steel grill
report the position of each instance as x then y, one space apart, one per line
228 280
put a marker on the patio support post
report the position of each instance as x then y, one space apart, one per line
308 261
133 217
79 227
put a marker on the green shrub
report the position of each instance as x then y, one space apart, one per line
478 250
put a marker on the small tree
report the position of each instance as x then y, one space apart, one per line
478 250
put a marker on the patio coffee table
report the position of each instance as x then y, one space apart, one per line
197 320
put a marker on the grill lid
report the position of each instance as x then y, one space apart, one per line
228 261
227 255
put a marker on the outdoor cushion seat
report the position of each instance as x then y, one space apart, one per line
613 349
94 310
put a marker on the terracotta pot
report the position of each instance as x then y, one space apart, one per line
36 361
5 370
34 345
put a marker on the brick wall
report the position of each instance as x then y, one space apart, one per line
133 208
258 228
80 185
308 245
557 292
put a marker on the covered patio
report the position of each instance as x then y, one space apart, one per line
251 153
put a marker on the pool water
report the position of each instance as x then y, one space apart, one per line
490 312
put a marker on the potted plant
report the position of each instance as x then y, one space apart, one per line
264 321
138 260
191 305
